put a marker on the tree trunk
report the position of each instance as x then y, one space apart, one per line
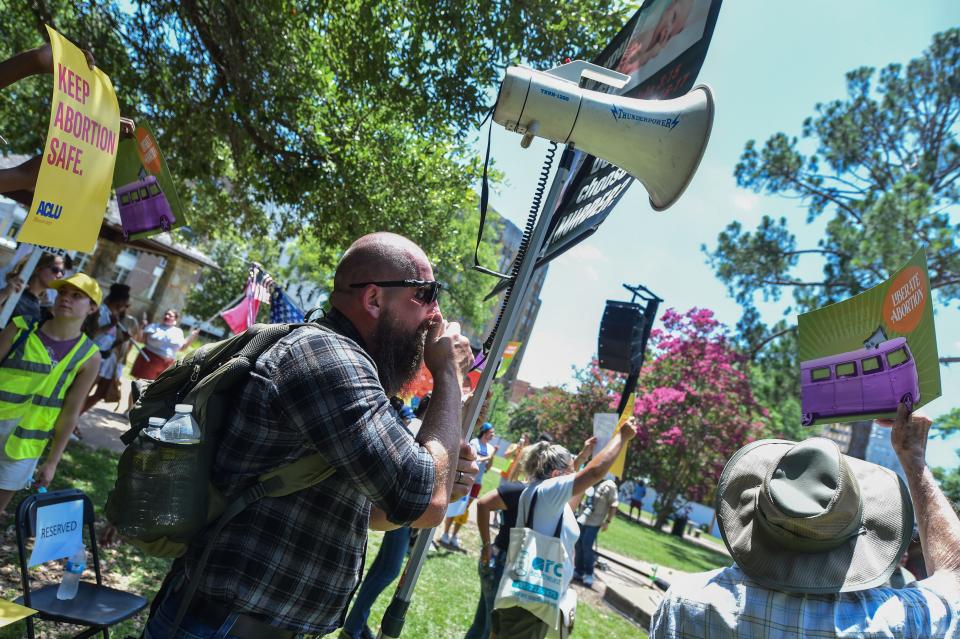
859 439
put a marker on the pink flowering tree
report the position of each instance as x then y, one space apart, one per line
694 409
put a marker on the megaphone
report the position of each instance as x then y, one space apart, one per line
658 142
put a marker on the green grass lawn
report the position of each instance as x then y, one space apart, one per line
642 542
443 606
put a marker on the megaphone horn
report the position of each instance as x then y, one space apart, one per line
658 142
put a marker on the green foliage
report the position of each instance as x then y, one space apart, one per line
949 481
322 121
523 419
567 416
217 288
947 424
499 411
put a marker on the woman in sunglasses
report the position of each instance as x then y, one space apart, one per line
49 269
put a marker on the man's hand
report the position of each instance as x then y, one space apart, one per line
43 58
44 475
629 429
590 443
909 436
445 346
467 470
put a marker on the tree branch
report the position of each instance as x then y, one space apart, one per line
759 347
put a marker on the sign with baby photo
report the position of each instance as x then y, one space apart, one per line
862 357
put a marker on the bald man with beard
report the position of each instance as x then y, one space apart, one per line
287 566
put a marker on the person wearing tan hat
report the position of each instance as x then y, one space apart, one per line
815 536
46 371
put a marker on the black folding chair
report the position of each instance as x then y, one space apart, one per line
96 606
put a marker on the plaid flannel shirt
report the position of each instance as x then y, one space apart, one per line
295 561
725 603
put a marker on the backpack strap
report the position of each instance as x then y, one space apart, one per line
295 476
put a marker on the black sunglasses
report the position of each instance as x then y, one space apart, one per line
427 292
56 270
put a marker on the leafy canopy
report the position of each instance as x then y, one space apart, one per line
308 118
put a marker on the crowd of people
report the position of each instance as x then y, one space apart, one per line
808 528
62 352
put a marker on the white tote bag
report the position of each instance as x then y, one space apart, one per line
533 575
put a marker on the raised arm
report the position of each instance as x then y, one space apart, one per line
588 445
601 463
936 519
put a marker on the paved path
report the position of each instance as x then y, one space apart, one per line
103 424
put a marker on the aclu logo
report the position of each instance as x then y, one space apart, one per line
620 114
49 209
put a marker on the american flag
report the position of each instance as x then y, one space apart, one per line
282 309
260 281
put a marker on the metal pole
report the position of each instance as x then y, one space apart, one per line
24 274
394 617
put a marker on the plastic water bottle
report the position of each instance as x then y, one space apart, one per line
154 424
182 428
71 574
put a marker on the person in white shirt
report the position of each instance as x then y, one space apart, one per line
556 482
162 342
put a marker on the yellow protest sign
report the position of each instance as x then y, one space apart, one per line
508 353
73 186
11 612
621 460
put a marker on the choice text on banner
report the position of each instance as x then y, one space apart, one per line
73 185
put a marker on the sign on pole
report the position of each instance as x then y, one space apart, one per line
73 185
662 49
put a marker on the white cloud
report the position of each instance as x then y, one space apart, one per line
586 252
745 201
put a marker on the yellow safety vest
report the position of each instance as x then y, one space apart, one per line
32 390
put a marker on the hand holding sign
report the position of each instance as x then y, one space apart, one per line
627 427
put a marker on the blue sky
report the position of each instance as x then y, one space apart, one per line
769 64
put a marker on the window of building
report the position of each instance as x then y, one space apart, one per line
126 262
81 261
157 274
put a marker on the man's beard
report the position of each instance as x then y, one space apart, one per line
397 352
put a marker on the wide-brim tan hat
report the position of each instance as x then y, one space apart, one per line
803 517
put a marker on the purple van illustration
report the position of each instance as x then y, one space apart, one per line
143 207
869 380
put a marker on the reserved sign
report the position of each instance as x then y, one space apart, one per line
59 532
